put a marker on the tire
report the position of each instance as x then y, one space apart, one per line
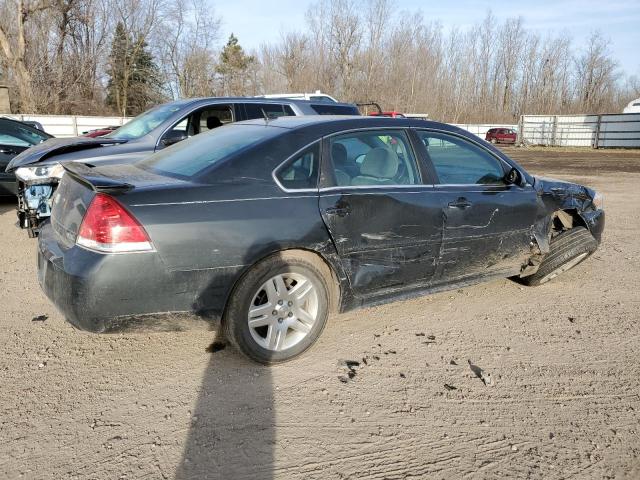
282 325
494 141
565 252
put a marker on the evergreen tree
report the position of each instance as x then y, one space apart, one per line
134 79
233 67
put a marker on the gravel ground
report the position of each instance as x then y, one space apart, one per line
563 402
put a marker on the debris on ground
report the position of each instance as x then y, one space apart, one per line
481 374
450 387
452 362
216 347
40 318
351 366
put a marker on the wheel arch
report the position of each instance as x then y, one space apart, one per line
332 268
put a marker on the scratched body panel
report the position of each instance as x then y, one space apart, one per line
387 238
492 234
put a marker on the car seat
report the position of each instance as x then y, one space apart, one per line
379 167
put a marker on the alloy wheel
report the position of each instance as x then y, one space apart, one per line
283 311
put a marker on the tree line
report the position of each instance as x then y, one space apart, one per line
99 57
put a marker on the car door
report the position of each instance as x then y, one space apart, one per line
380 213
487 222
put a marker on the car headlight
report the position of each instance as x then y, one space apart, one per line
598 201
40 174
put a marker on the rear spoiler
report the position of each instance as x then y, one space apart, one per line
84 173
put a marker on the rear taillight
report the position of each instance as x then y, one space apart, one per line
108 227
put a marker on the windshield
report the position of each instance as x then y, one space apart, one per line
191 157
144 123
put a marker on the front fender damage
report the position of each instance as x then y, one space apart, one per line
562 205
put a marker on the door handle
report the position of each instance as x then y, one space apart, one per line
460 203
339 211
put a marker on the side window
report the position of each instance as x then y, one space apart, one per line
214 117
301 172
200 121
458 161
379 157
272 110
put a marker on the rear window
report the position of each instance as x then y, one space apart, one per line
328 109
193 156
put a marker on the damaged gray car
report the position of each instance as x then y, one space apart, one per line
272 225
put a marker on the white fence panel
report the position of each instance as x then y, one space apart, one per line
71 125
612 130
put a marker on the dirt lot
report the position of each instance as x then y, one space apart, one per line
563 357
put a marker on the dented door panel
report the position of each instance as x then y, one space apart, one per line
486 229
384 237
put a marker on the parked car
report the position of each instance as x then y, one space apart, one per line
15 137
392 114
633 107
38 170
274 225
99 132
501 135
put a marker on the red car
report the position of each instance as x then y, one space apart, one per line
98 132
501 135
387 114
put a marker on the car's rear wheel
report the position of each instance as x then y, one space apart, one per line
279 308
494 140
567 250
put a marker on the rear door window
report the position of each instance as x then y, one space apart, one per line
270 110
370 158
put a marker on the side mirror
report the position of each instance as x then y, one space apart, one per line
173 136
513 177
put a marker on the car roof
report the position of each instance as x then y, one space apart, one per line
335 123
188 101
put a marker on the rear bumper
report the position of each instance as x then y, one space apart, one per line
122 292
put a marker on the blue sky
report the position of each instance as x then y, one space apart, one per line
259 21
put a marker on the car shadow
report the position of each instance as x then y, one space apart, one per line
7 204
232 432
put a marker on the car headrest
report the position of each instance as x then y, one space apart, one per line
213 122
338 155
380 162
